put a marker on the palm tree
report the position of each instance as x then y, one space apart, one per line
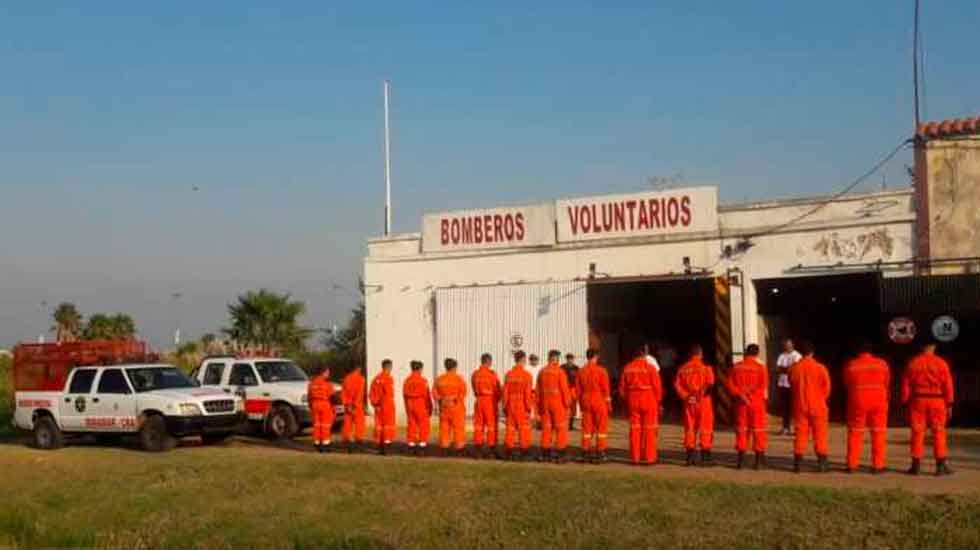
267 320
109 327
67 322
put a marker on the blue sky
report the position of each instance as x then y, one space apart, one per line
111 113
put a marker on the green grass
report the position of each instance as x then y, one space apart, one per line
242 496
6 400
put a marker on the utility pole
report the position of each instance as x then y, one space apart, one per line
387 147
915 65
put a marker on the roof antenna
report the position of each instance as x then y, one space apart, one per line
915 65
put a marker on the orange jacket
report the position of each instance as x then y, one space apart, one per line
319 390
592 385
694 380
517 390
749 380
867 378
450 391
485 383
553 387
640 376
382 392
416 388
927 375
810 386
352 390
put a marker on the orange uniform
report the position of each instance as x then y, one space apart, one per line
810 386
927 387
639 386
450 393
517 406
748 383
382 397
352 396
319 392
554 400
486 388
595 400
867 379
418 408
693 384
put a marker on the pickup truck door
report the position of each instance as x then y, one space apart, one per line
243 381
77 399
113 404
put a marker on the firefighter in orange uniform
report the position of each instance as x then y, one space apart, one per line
486 389
748 383
693 383
867 379
639 386
352 396
554 400
810 385
518 404
450 393
382 397
319 392
927 387
595 400
418 409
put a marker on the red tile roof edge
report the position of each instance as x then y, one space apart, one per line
949 128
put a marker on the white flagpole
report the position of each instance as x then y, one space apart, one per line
387 165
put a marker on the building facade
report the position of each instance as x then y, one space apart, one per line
675 268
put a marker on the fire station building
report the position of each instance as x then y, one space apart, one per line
673 268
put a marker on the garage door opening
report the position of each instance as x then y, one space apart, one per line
834 312
670 314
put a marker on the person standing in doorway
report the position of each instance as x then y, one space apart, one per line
787 359
534 367
571 372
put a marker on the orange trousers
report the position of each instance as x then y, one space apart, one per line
554 426
862 417
322 413
384 423
750 420
804 424
452 426
595 425
928 412
419 422
644 424
518 426
485 422
699 419
354 425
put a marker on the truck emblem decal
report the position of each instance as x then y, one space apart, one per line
80 404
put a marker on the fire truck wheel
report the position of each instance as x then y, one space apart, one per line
282 423
154 436
47 435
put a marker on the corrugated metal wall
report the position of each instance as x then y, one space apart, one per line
499 319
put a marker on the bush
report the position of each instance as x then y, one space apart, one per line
6 398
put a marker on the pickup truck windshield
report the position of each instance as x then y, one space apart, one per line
158 378
280 371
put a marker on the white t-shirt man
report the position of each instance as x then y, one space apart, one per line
786 360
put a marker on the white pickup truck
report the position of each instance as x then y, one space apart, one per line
274 390
158 402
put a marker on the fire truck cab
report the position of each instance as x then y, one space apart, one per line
274 391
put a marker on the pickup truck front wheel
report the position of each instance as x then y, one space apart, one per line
47 435
154 436
282 422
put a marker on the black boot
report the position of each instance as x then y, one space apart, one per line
317 447
601 458
689 458
914 468
760 461
383 449
797 459
350 447
822 464
509 455
942 469
706 458
739 460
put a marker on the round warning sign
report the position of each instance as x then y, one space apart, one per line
516 340
945 328
901 330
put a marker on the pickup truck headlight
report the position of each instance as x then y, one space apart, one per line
190 409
